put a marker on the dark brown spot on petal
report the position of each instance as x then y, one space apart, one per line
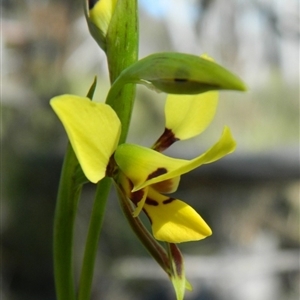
111 168
151 202
167 201
177 259
137 196
165 141
180 79
158 172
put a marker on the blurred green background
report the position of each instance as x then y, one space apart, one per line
250 199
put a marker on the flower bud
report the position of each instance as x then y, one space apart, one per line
98 14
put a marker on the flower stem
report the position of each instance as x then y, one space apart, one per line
122 51
71 182
90 254
65 213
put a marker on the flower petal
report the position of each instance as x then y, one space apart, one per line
189 115
174 221
93 130
144 166
140 164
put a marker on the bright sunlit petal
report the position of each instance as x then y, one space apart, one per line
174 221
93 130
189 115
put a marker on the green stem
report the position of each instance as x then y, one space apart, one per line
90 254
122 45
65 213
122 51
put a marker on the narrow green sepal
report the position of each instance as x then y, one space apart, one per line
177 272
179 73
90 93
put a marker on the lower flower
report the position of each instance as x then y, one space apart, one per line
172 220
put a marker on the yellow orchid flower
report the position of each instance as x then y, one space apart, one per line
151 172
94 129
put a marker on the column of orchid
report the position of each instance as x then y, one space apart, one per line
143 176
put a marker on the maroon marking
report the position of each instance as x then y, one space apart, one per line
165 141
158 172
177 258
167 201
137 196
151 202
111 167
180 80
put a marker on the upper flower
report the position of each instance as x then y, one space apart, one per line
145 174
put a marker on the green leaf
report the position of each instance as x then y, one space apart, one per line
178 73
92 89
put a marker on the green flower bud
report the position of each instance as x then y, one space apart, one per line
98 14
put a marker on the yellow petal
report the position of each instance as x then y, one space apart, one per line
144 166
140 164
174 221
189 115
93 130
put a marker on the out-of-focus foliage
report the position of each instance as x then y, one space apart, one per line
251 199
